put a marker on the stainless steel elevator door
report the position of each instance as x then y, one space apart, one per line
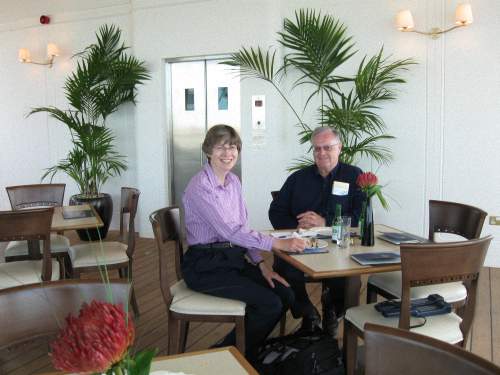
204 93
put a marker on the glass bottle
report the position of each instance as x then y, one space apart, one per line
337 223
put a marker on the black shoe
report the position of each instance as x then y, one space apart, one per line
330 322
311 322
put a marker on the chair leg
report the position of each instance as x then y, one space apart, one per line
240 333
133 300
173 334
351 347
183 335
283 325
371 294
62 266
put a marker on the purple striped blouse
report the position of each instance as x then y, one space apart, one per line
217 213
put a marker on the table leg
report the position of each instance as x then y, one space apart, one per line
34 249
351 299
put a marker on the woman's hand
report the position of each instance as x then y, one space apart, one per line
269 275
293 245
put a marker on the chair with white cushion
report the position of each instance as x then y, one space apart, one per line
448 221
23 226
426 264
414 354
111 255
24 197
183 304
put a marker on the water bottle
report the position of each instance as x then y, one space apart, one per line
337 223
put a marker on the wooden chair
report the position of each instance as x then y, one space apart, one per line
32 196
183 304
23 226
426 264
30 312
393 351
94 256
444 217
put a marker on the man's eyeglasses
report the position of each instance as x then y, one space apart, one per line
326 148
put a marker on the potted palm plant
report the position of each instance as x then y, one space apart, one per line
315 47
105 78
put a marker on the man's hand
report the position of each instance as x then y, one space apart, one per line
270 275
293 245
310 219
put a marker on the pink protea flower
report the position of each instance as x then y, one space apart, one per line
366 180
94 341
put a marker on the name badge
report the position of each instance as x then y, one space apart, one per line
340 188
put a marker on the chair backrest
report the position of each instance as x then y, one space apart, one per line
437 263
27 225
26 196
166 224
456 218
34 311
128 206
393 351
274 194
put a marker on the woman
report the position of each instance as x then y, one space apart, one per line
219 238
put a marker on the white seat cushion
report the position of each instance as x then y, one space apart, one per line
24 272
187 301
391 283
98 253
58 244
442 327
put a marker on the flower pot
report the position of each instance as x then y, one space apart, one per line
367 230
103 204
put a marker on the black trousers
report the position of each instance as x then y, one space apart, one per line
223 273
334 299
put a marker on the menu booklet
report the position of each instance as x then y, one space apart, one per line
369 259
397 238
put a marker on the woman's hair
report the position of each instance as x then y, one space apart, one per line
220 133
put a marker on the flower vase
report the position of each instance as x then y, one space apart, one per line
367 230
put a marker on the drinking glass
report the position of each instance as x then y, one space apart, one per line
345 233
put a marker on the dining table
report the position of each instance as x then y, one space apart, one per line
218 361
337 262
60 223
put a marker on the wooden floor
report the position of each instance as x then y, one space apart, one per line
152 331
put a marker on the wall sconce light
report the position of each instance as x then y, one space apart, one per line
463 17
52 51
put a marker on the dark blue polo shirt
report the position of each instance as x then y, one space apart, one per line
306 190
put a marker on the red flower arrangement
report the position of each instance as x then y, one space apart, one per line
368 182
97 341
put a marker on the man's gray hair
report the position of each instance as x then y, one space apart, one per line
325 129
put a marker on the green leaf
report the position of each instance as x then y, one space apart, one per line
140 364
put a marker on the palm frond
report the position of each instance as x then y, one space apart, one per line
318 44
254 63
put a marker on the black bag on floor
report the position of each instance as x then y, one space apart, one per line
300 354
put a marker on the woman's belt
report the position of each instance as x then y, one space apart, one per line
213 245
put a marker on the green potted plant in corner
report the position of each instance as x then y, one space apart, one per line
105 78
315 47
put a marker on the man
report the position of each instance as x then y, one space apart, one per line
308 199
